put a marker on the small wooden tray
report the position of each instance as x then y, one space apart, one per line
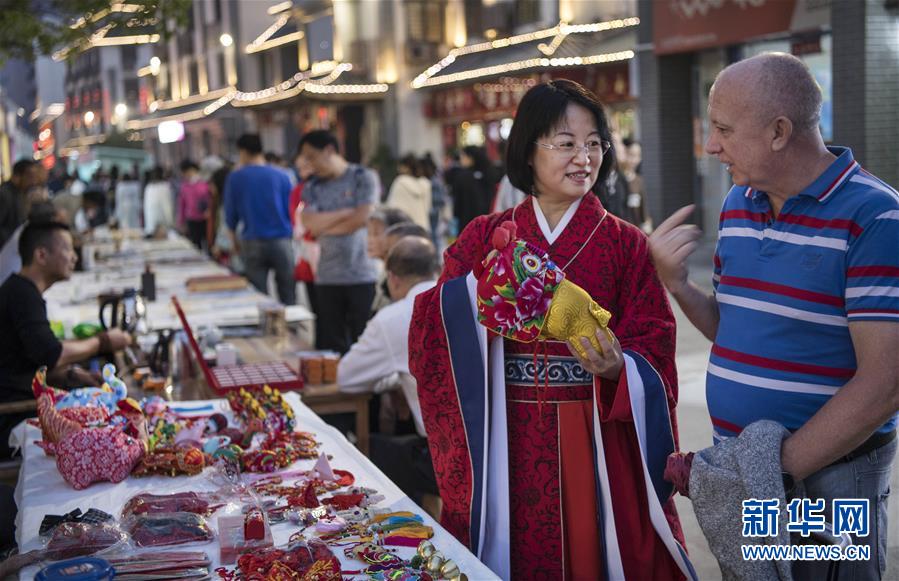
223 282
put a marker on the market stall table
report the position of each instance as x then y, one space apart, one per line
323 399
41 490
174 261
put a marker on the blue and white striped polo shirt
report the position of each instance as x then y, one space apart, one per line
787 289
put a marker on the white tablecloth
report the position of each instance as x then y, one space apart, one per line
41 490
75 300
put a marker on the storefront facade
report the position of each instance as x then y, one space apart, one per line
852 48
482 113
690 46
473 93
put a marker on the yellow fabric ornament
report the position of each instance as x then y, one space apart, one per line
572 315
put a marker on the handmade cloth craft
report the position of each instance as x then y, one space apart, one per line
106 396
73 539
86 454
177 528
97 454
307 560
146 503
264 404
524 296
279 451
92 516
56 424
172 462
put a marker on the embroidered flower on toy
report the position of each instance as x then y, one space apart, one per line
516 287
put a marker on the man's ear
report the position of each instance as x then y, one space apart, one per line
782 133
40 255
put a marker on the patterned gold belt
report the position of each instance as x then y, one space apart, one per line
553 379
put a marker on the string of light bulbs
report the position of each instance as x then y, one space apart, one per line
559 32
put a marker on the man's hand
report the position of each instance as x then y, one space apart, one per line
235 242
670 245
118 339
77 376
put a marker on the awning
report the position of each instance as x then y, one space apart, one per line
283 31
337 83
563 46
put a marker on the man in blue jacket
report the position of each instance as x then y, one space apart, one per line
256 197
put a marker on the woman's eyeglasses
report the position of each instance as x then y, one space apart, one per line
592 147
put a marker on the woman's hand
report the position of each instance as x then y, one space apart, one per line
607 364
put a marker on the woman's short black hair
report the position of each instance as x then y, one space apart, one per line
411 163
541 110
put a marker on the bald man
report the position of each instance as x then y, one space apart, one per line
805 313
379 362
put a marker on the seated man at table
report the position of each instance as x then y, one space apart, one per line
379 361
390 236
26 340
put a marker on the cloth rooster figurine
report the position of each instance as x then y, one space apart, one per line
86 454
524 296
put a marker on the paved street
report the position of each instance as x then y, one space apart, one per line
696 429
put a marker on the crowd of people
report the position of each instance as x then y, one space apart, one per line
548 450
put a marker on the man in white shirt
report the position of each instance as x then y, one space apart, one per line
379 361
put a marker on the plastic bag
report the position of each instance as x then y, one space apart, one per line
194 502
76 539
158 530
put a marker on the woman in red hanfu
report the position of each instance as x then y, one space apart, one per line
550 463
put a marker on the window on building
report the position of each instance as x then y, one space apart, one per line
132 91
186 38
129 57
527 12
162 80
265 75
223 69
112 85
194 69
425 20
320 39
289 61
474 18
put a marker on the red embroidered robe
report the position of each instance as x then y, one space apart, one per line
553 529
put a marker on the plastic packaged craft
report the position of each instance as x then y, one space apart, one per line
195 502
147 565
295 560
68 540
241 533
76 539
158 530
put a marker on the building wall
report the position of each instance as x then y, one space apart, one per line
866 84
17 80
580 11
416 134
666 125
50 81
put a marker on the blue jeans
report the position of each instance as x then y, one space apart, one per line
865 477
260 256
